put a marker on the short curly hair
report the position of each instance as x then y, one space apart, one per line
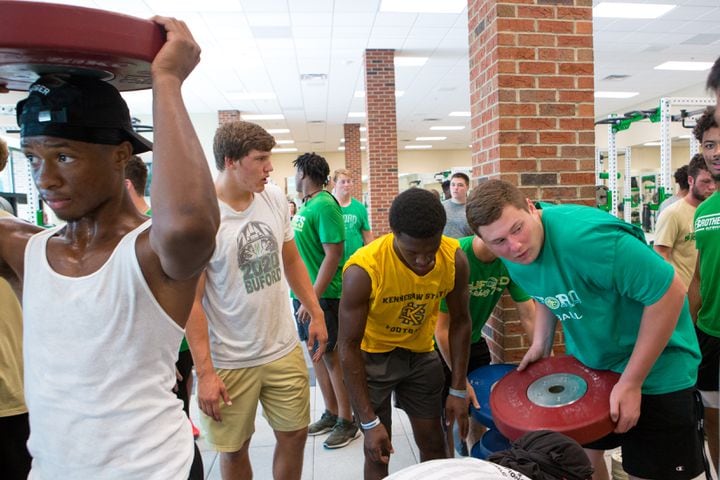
313 166
417 213
705 123
234 140
713 80
487 202
4 154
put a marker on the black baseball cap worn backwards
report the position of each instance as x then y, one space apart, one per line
85 109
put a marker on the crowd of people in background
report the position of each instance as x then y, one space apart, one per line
248 274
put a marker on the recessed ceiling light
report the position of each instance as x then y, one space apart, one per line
630 10
356 115
363 129
423 6
689 66
262 116
275 131
284 150
284 142
429 139
684 136
410 61
448 127
417 147
459 114
652 144
361 93
615 94
250 95
342 149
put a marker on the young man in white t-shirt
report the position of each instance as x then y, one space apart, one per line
243 339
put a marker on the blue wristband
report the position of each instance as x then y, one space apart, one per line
457 393
370 424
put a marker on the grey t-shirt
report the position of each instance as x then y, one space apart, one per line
456 226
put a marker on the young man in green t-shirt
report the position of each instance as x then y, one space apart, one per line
622 307
320 237
355 215
488 281
702 293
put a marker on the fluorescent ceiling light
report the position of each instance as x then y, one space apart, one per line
356 115
363 129
684 136
284 142
429 139
275 131
417 147
410 61
690 66
630 10
448 127
616 94
652 144
284 150
342 140
263 116
459 114
250 95
342 149
361 93
423 6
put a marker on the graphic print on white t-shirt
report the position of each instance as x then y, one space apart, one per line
258 257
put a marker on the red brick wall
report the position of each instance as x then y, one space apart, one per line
382 136
353 158
226 116
531 95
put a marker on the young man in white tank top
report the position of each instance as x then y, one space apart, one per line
107 295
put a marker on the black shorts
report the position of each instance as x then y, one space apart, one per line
184 365
667 442
15 459
708 370
330 308
416 379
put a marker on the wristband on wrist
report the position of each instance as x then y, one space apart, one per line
457 393
371 424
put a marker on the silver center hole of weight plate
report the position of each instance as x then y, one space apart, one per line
557 390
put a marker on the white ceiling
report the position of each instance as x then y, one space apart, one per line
264 46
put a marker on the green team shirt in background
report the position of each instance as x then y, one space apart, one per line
356 221
596 274
707 241
487 284
319 221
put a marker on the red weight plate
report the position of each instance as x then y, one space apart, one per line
40 38
585 418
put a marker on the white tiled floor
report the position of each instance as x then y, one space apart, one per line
320 463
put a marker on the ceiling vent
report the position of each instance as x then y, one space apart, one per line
313 79
316 122
430 119
616 77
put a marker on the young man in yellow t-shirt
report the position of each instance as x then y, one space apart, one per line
388 310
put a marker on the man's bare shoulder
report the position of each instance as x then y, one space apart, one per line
12 228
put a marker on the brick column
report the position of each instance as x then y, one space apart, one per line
353 159
382 136
531 87
227 116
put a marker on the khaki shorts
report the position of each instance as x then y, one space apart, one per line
283 388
